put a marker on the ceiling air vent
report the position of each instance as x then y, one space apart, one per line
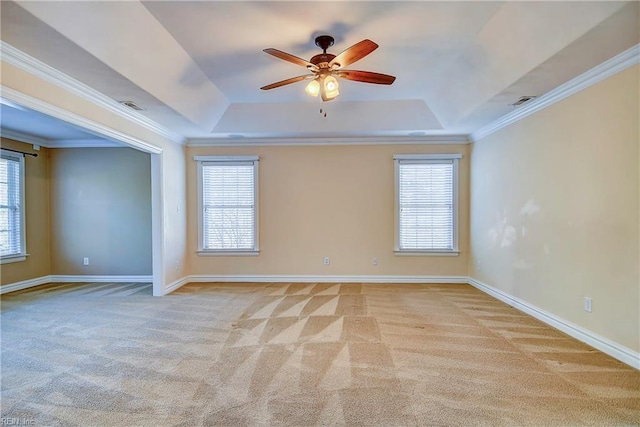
522 100
131 105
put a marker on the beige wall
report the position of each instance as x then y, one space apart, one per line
335 201
100 209
37 214
554 209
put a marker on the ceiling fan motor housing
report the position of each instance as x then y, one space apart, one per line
322 60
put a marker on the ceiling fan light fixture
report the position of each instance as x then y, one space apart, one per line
330 88
313 88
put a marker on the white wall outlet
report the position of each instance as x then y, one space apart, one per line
587 304
326 260
374 261
85 261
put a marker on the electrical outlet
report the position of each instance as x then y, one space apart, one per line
374 261
326 260
587 304
85 261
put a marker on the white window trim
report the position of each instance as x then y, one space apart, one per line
22 256
201 160
417 159
13 258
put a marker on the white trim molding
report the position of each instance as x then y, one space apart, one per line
67 116
421 158
199 278
603 71
24 284
402 160
217 162
13 258
175 285
100 278
613 349
21 60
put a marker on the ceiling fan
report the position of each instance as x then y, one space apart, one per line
325 67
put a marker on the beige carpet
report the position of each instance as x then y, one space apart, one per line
298 354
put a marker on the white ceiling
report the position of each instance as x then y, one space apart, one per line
196 67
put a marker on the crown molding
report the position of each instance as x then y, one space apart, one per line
360 140
67 116
600 72
21 60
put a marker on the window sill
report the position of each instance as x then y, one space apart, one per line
426 253
13 258
228 253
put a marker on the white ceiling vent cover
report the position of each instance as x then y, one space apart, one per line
131 105
522 100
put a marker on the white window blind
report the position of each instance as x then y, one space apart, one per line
228 213
426 205
11 208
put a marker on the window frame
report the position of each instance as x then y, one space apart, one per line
427 159
22 255
203 161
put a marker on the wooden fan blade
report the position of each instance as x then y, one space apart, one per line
354 53
288 57
288 81
366 77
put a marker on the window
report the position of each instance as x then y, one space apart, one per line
228 205
12 232
426 204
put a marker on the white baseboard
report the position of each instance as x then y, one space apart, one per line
324 279
175 285
99 278
30 283
613 349
24 284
